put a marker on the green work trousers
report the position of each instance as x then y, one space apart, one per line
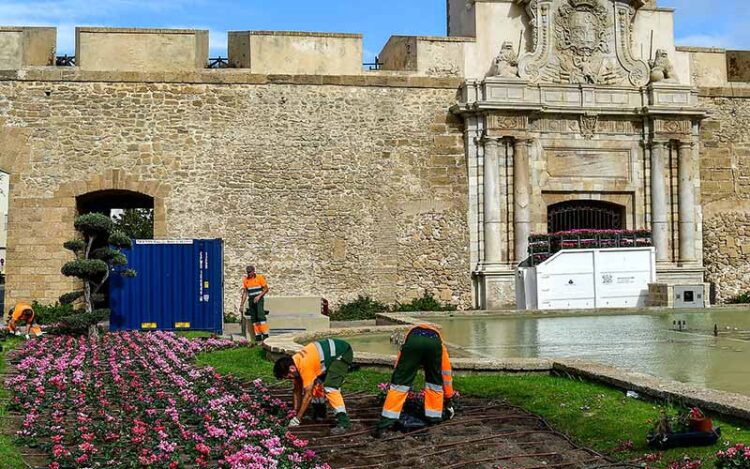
257 315
338 369
419 352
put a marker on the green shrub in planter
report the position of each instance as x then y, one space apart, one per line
360 309
426 303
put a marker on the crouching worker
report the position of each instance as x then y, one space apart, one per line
325 361
23 312
423 348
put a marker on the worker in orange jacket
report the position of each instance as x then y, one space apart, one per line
423 348
23 312
323 362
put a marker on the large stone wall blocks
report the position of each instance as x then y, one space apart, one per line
22 46
296 53
141 50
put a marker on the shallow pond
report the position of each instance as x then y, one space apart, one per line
640 342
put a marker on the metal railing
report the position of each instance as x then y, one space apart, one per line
65 60
218 62
377 65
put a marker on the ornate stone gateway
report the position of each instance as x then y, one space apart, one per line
577 119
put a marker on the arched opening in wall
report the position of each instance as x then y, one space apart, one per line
585 215
131 212
4 200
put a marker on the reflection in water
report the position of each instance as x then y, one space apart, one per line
644 342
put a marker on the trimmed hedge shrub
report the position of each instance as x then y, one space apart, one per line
360 309
364 308
50 314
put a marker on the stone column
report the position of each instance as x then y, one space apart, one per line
687 202
492 207
522 198
659 200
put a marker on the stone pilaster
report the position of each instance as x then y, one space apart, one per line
492 205
687 202
522 198
659 200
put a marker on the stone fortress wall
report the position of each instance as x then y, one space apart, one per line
334 180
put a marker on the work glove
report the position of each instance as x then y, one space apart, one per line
26 336
294 422
17 332
451 412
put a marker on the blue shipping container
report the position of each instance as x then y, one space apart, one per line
178 286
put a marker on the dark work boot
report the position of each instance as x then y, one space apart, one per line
320 412
344 424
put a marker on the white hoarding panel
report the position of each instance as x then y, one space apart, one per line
589 278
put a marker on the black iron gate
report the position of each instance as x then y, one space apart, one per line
584 215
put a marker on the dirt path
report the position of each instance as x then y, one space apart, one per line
484 434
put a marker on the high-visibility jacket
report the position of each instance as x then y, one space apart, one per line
254 286
445 364
315 358
21 312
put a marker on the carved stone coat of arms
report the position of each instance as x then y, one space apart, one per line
582 42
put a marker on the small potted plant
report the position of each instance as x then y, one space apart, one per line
683 430
699 422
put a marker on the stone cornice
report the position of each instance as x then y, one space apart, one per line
227 77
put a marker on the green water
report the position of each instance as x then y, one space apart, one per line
643 342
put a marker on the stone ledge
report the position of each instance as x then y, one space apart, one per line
301 34
287 344
437 38
720 402
738 90
227 77
704 50
102 29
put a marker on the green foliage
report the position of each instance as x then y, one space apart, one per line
741 299
10 454
426 303
120 240
136 223
93 268
362 308
75 245
93 224
79 322
110 256
231 318
128 273
85 269
50 314
70 298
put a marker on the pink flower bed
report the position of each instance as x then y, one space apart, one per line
136 400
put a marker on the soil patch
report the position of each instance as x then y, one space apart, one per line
484 434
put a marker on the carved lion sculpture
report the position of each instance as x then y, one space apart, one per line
661 67
506 62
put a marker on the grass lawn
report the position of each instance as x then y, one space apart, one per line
594 415
195 334
9 455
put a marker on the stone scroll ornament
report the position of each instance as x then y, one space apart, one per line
582 42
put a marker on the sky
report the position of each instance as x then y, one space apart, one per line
709 23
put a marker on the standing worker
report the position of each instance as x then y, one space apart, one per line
23 312
254 288
325 361
423 348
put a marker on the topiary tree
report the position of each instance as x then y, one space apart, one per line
98 256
